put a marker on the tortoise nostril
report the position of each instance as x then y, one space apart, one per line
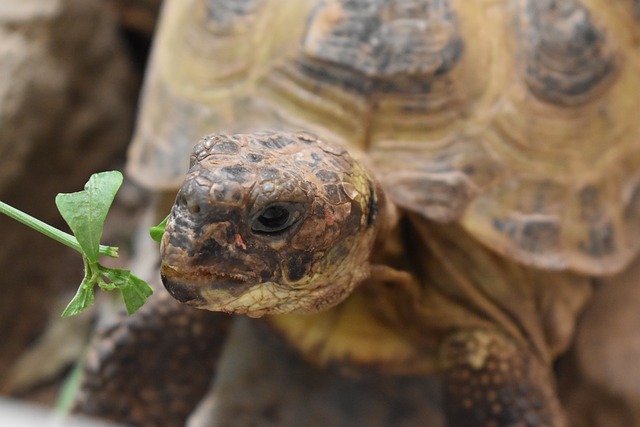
187 201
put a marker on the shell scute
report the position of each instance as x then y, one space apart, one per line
496 114
566 58
385 38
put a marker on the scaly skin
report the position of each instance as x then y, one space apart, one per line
270 223
228 248
509 125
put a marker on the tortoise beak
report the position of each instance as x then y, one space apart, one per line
203 289
183 291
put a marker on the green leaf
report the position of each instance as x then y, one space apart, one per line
85 211
157 231
83 299
115 275
135 293
70 388
133 289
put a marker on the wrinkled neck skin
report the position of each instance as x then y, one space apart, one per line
272 223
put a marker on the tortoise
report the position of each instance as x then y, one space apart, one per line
399 187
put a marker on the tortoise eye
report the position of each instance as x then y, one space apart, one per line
273 219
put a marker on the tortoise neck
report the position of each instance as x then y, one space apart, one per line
387 213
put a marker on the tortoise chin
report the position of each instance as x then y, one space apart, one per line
231 296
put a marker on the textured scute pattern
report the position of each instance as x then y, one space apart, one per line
565 56
206 58
369 38
151 369
469 111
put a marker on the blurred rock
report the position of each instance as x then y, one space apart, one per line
262 381
19 414
137 21
67 97
137 15
600 383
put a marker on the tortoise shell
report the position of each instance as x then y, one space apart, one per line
517 119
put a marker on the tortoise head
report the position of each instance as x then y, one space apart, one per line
269 223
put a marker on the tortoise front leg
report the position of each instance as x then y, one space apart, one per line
152 368
491 381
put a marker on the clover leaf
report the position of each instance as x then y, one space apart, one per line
157 231
85 212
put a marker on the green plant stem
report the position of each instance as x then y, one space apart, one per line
44 228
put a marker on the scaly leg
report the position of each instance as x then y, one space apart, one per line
152 368
491 381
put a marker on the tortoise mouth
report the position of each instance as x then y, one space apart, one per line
183 292
190 287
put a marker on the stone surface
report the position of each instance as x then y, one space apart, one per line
263 382
137 15
22 415
67 96
600 375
